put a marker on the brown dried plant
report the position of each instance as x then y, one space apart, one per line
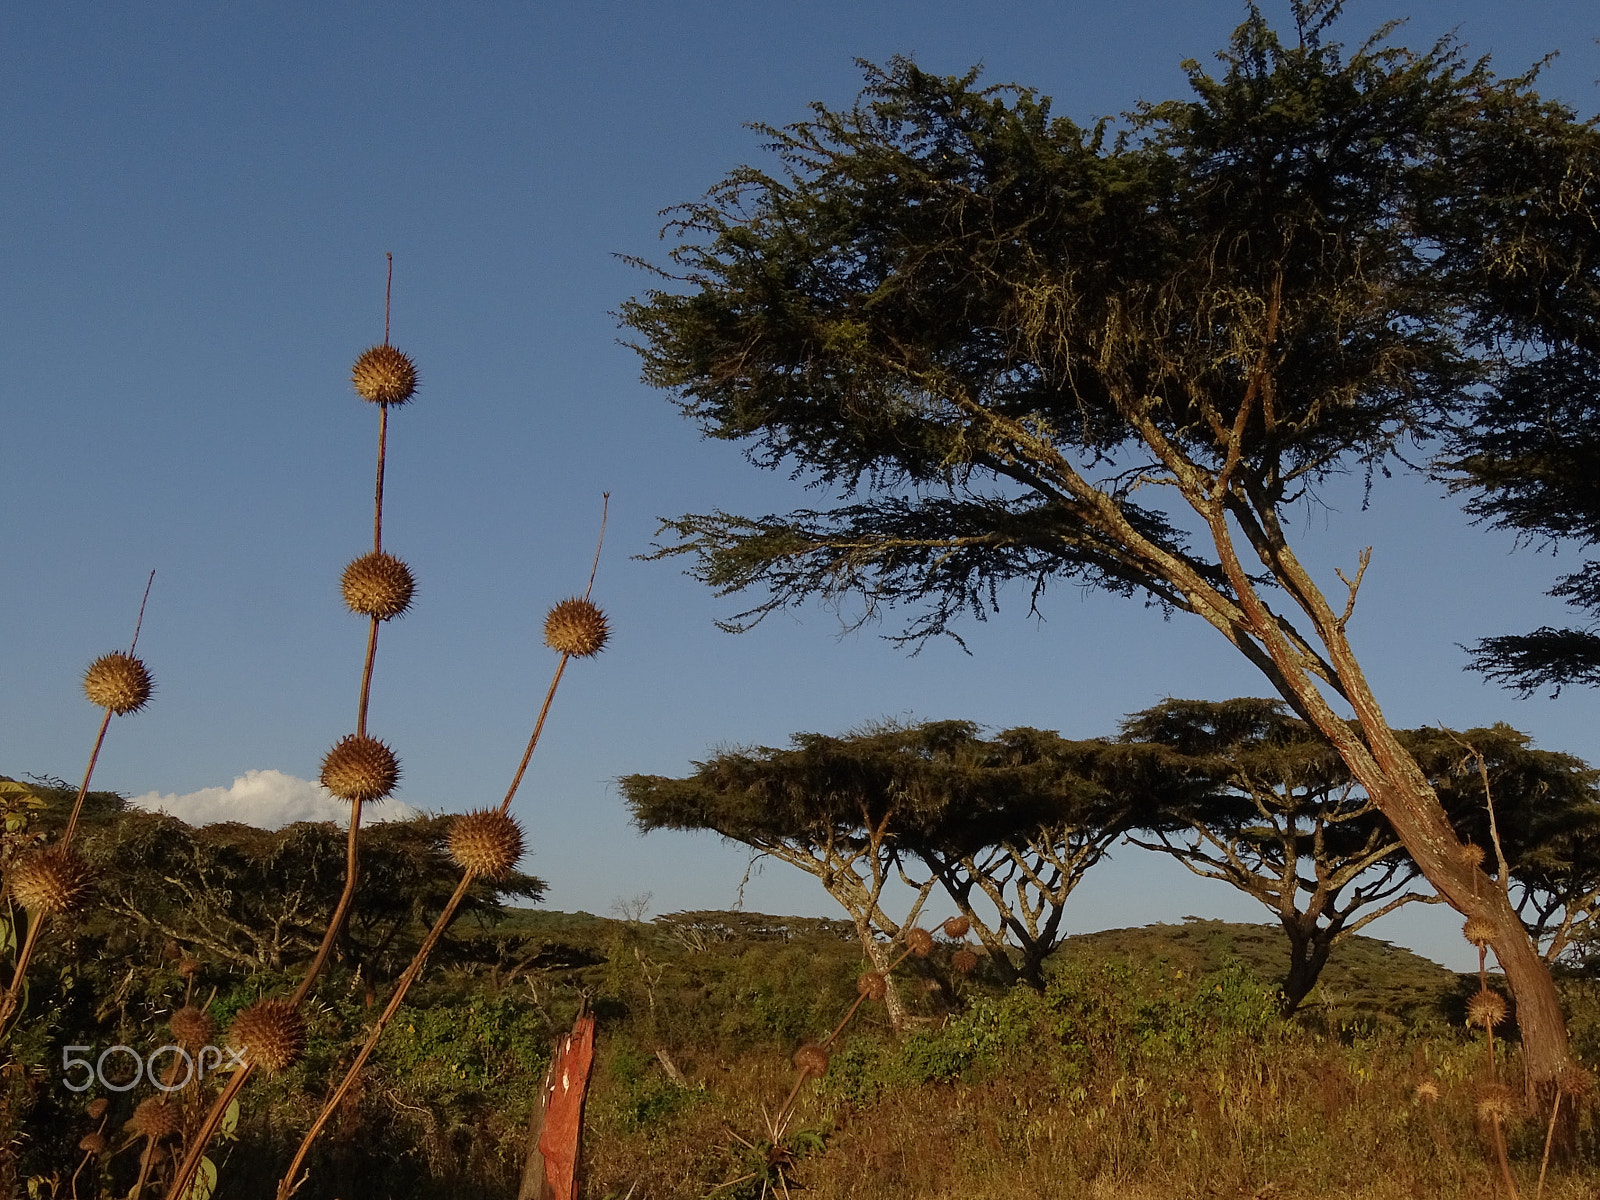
54 879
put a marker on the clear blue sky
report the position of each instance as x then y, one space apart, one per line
194 208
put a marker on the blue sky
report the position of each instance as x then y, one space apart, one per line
195 204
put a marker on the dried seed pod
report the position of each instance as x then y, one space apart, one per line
873 985
188 967
269 1034
360 768
919 942
1574 1082
94 1143
811 1059
964 961
377 585
1471 854
957 927
154 1119
1427 1091
576 627
97 1107
383 375
1495 1102
117 681
488 843
1486 1009
1478 931
192 1027
51 881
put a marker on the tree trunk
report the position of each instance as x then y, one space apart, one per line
878 953
1307 957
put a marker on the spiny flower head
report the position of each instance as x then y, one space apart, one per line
377 585
269 1034
192 1027
919 942
488 843
1486 1009
957 927
872 985
117 681
51 881
1478 931
1495 1102
383 375
811 1059
360 768
576 627
154 1119
964 961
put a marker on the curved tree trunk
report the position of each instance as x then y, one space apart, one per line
878 953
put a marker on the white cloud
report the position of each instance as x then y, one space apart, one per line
267 799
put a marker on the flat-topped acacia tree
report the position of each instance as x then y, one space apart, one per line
1015 820
1017 348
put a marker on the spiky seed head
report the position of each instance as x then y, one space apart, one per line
117 681
1495 1102
192 1027
488 843
957 927
1486 1009
1427 1091
385 376
1471 854
919 942
378 585
360 768
97 1107
1574 1082
94 1143
154 1119
51 881
873 985
1478 931
269 1034
811 1059
188 967
576 627
964 961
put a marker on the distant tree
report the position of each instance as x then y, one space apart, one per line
1286 823
1015 820
823 806
1016 348
256 899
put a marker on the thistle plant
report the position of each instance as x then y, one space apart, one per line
486 843
358 769
54 879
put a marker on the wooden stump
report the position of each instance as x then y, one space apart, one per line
555 1131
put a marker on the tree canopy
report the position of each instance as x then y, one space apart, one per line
1015 819
1017 348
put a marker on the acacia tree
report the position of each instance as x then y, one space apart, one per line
1286 824
1018 348
1015 820
824 806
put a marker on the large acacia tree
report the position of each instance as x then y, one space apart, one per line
1018 348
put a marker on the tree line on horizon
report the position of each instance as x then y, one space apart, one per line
1241 791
